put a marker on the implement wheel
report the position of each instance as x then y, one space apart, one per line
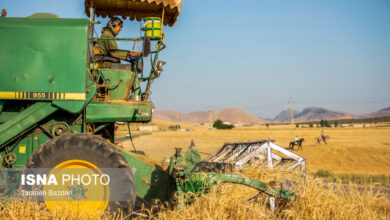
88 153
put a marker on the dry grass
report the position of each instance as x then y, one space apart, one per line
315 200
35 210
350 150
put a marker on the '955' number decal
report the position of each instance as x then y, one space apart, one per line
39 95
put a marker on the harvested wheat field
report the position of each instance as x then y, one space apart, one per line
354 164
362 154
349 150
314 200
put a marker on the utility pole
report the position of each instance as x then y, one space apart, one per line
177 119
292 112
211 117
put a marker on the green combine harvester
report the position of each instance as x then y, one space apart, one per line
58 106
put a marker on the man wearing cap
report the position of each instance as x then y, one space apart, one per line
110 47
3 13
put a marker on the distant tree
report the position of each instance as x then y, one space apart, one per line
297 125
267 125
218 124
174 127
311 125
324 123
336 124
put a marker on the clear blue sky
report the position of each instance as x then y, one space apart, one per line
257 54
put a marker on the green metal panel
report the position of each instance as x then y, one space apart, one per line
119 111
5 116
31 142
151 183
119 82
43 58
24 121
201 182
74 106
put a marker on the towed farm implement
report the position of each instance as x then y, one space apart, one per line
261 152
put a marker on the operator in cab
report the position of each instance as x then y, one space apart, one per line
110 47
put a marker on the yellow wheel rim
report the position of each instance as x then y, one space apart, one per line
85 200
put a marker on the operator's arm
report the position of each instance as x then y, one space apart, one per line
115 52
121 54
110 47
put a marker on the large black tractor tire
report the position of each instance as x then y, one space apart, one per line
94 150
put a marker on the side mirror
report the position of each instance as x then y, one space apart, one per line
146 46
159 69
140 65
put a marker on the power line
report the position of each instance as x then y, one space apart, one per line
253 107
342 102
328 102
369 99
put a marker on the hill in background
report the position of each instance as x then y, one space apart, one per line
232 115
381 113
312 114
285 115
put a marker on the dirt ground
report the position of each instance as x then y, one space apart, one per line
355 150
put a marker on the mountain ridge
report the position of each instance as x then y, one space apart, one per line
232 115
313 113
240 116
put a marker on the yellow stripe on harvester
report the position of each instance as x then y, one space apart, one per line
42 95
74 96
7 95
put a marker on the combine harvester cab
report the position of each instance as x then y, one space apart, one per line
59 105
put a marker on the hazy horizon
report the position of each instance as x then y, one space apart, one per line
272 117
